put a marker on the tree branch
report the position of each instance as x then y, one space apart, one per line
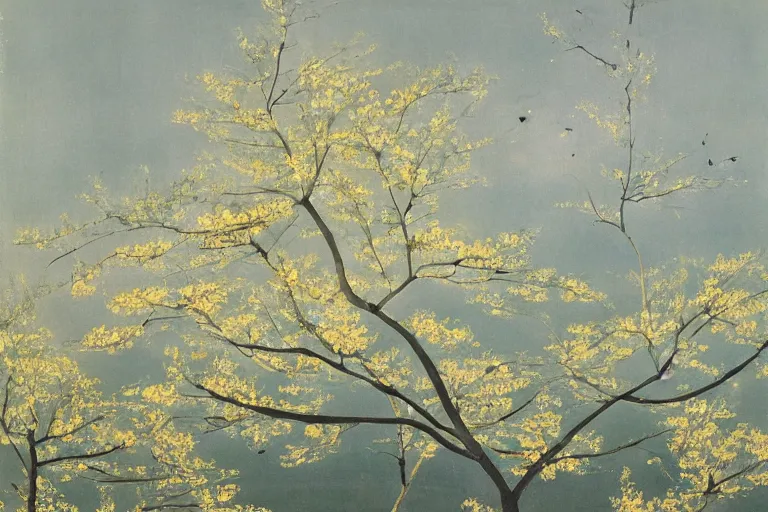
509 414
83 456
600 59
48 437
323 419
6 429
389 390
628 396
693 394
611 451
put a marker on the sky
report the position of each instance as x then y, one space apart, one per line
88 88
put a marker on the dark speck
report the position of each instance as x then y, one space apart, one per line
261 451
569 129
573 154
733 158
710 162
522 119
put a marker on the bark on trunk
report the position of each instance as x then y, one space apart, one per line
32 473
509 502
509 499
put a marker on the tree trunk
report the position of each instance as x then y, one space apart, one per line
509 502
509 499
32 473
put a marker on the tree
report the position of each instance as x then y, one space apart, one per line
310 150
61 428
52 416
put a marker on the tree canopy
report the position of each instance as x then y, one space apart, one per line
276 271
